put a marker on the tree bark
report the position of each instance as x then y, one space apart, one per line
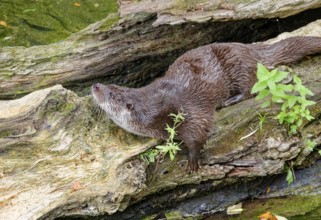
135 48
59 157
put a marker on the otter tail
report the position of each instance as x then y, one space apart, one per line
290 50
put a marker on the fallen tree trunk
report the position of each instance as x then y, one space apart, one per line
59 158
135 48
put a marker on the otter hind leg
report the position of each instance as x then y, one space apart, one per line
234 99
194 151
193 133
193 159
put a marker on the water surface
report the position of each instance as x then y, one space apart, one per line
37 22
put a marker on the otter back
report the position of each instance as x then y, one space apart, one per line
197 83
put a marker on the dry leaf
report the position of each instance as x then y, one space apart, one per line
3 23
235 209
267 216
280 217
268 190
76 186
77 4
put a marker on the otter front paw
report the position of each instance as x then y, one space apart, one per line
193 162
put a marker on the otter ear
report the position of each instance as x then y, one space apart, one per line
129 106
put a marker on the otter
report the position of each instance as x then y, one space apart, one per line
197 83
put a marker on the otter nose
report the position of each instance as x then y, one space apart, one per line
96 86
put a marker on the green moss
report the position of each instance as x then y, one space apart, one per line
177 215
20 92
6 75
43 22
5 133
151 217
187 4
294 207
240 1
173 215
110 21
67 107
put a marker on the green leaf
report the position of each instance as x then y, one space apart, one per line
308 103
284 106
273 73
287 88
310 144
259 86
281 117
262 94
278 92
293 129
292 100
305 91
279 76
309 117
296 108
290 120
271 85
309 92
160 148
309 148
320 152
266 104
297 80
301 100
289 176
171 155
277 99
262 72
151 158
299 122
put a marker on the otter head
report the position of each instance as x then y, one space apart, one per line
111 98
117 103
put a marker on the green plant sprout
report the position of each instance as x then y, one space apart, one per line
290 177
311 145
171 147
262 120
294 108
149 156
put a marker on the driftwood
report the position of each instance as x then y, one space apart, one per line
133 49
59 157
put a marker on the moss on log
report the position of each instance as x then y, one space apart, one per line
140 44
59 158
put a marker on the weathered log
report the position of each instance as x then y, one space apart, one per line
140 45
59 158
259 195
174 12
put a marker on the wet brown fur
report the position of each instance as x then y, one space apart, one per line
197 83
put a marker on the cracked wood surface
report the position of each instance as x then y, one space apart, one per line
59 158
140 44
175 12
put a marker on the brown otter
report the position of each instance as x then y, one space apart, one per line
197 83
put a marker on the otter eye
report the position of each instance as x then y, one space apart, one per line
111 95
129 106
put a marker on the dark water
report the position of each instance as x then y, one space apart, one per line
36 22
